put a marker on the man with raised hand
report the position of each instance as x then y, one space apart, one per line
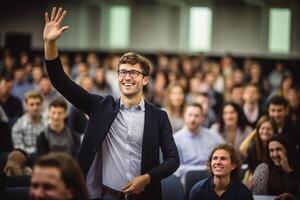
120 150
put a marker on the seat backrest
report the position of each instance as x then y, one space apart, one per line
16 193
172 188
193 177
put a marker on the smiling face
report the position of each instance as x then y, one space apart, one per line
221 164
132 86
265 131
277 152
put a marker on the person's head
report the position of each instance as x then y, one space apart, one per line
33 103
237 93
133 72
193 116
83 69
265 129
175 97
231 115
45 85
87 83
277 109
37 73
224 161
57 176
280 147
19 73
57 112
99 78
202 99
251 94
6 85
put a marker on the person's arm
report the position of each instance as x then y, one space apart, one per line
260 179
17 136
42 145
59 79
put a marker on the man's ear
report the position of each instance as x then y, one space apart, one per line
145 80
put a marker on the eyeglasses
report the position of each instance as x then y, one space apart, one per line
132 73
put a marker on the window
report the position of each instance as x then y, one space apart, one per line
200 29
119 29
279 30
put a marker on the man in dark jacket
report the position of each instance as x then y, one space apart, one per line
120 149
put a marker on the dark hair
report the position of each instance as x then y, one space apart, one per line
134 58
234 157
70 172
278 100
276 185
7 77
59 103
241 121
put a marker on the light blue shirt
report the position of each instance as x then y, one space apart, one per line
194 149
121 151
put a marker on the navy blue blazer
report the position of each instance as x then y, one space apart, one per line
102 112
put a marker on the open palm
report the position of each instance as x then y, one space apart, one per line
53 29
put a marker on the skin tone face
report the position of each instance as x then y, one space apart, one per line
277 112
5 87
193 118
230 116
131 87
265 131
45 86
237 95
277 152
57 117
221 164
33 107
47 184
251 95
176 96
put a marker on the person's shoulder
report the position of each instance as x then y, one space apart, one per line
197 189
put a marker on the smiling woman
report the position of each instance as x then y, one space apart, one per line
279 175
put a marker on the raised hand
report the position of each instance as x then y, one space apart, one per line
53 29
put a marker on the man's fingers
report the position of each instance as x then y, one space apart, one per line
53 13
58 14
62 29
46 17
62 16
127 186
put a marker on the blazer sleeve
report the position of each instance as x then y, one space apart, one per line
80 98
169 150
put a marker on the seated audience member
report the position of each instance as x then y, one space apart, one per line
236 94
11 105
194 142
101 86
57 176
21 84
251 105
30 125
223 184
232 124
48 93
209 116
257 151
5 133
174 105
278 110
58 136
280 174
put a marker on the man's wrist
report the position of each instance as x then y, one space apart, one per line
147 178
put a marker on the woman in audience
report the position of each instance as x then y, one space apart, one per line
232 125
257 151
279 175
174 104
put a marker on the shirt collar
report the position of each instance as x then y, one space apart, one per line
140 106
